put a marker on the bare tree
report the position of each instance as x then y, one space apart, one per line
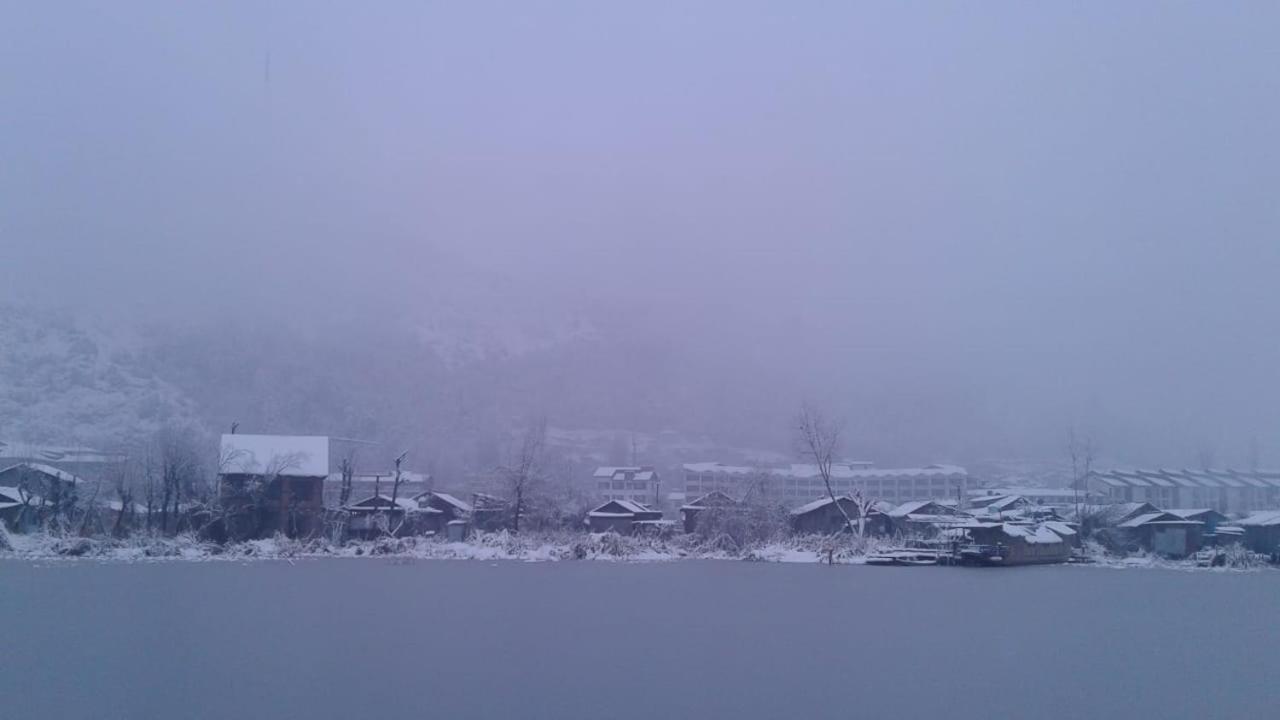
818 439
1081 452
346 467
395 495
523 476
244 504
179 466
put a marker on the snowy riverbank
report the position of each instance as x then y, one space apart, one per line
530 547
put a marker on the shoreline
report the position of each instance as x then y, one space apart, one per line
495 547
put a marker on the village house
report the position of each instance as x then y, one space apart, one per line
634 483
714 501
922 517
1165 533
489 512
450 507
1211 518
40 480
273 483
995 543
825 517
622 517
455 515
379 515
1262 532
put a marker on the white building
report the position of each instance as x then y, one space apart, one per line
1227 491
630 484
800 483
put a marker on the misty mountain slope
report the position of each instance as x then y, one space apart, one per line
63 381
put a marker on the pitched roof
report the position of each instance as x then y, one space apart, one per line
1062 529
56 453
627 472
382 501
715 498
447 499
51 471
620 508
284 455
819 503
1163 518
920 507
1034 534
1267 518
1196 513
1187 478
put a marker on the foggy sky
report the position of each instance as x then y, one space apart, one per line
1009 218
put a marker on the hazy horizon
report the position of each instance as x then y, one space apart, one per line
963 228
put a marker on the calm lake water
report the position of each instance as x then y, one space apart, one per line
373 638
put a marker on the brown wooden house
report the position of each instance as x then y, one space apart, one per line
273 483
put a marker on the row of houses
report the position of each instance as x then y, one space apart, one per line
1225 490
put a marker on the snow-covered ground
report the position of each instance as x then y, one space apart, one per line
531 547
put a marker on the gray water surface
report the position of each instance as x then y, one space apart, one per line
371 638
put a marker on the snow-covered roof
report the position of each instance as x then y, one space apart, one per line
380 501
10 450
627 507
1035 534
10 494
1268 518
629 472
284 455
1213 478
914 507
447 499
819 503
1007 502
1062 529
1193 513
407 477
1157 518
51 471
934 519
1142 519
714 498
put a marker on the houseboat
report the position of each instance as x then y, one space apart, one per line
1012 544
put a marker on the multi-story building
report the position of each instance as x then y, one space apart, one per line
1227 491
800 483
634 484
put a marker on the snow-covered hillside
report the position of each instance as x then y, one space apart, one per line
62 381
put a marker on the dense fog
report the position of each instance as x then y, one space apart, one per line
965 229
